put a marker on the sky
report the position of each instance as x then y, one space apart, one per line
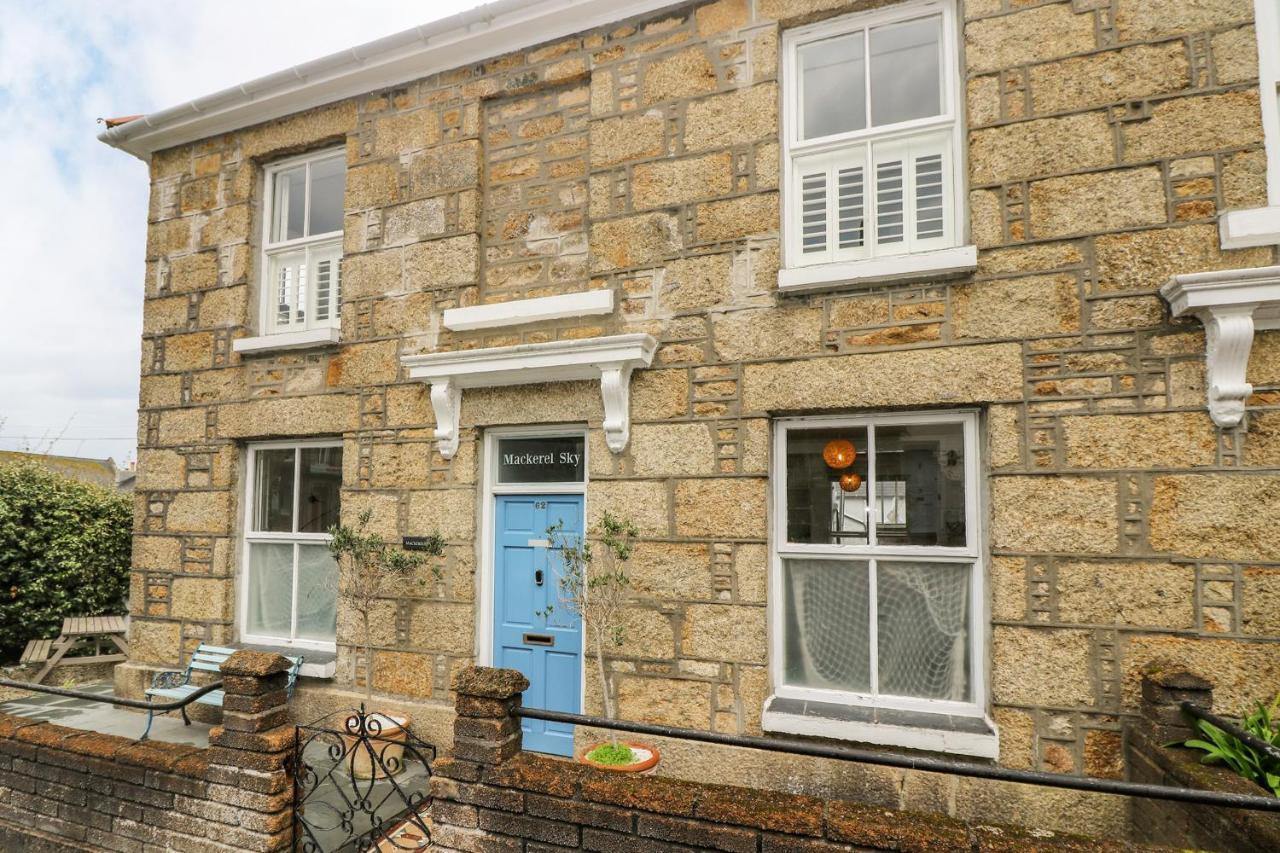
73 212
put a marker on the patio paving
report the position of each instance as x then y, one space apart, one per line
103 718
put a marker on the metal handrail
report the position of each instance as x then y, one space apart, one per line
115 700
921 762
1231 728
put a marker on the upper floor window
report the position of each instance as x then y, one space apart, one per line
872 136
302 243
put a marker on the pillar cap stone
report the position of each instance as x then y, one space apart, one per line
490 683
248 662
1175 675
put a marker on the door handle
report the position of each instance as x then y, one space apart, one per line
537 577
539 639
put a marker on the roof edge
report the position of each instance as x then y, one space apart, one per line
488 31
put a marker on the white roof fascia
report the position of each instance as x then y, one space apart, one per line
470 37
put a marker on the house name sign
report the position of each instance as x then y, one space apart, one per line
550 459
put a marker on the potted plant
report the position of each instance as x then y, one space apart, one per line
370 570
596 590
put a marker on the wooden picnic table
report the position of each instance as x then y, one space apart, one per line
99 632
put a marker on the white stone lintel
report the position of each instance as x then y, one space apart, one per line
609 360
1231 304
517 311
1256 226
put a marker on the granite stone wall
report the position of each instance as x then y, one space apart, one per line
1104 137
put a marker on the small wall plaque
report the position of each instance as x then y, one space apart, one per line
416 543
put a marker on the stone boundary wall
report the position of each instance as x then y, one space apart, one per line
491 796
1164 687
71 789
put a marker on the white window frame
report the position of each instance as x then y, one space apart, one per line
1260 226
945 255
326 243
970 553
1267 29
249 537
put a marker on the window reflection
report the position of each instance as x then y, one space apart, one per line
915 497
921 467
820 510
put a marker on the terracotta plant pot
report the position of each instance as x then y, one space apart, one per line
646 756
388 744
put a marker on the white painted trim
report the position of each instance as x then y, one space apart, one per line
950 120
267 324
324 336
490 488
1231 304
1267 30
609 359
940 262
1256 226
519 311
881 734
453 42
248 536
971 554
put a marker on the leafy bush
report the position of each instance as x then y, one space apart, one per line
1247 762
64 551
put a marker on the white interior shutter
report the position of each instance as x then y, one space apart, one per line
328 289
913 195
890 170
933 201
814 219
851 204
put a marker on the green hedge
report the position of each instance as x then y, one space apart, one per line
64 551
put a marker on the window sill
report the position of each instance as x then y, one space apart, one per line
1242 229
942 262
947 733
315 663
286 341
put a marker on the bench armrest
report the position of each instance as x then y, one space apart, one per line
169 679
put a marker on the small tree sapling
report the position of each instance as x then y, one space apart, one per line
371 569
596 591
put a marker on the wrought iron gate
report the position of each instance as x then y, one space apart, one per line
360 784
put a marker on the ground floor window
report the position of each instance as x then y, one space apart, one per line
289 579
877 575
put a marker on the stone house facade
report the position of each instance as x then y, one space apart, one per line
885 322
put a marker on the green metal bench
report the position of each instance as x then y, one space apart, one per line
176 684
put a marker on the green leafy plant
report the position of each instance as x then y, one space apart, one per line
371 569
1244 760
64 551
611 753
595 586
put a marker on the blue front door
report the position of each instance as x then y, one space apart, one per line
547 648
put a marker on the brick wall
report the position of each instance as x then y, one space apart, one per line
70 789
1104 139
489 795
1149 758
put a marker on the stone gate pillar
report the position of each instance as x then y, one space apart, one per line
249 752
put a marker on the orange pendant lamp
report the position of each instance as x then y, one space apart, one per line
839 453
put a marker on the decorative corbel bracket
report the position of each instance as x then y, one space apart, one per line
611 360
446 402
1231 304
615 389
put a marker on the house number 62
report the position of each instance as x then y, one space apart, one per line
539 504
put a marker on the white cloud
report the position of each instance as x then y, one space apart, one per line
73 212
